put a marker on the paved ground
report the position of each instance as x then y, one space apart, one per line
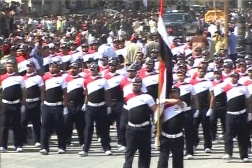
96 159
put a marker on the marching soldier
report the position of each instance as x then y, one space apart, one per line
150 78
114 79
104 64
13 96
125 86
217 103
248 84
34 85
75 94
23 58
98 105
138 133
236 117
201 87
172 140
187 94
54 98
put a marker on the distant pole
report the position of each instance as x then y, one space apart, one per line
240 4
226 27
241 28
42 7
29 4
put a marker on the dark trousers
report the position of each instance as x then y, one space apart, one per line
237 125
138 138
218 113
176 147
32 114
52 118
249 133
12 117
189 134
123 124
115 116
205 121
75 116
100 117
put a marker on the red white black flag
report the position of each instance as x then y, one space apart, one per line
165 71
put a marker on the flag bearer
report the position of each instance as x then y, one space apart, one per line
172 139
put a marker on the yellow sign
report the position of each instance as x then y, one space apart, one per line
214 15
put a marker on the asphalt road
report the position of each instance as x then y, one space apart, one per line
30 158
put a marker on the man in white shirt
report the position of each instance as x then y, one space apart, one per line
212 28
106 49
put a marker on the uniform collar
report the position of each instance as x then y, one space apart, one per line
217 81
31 74
150 73
200 79
113 73
76 76
14 73
234 85
95 77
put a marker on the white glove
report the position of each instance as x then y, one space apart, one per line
160 101
65 111
196 114
109 110
209 112
249 117
22 109
83 107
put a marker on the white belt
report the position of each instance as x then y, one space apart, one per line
32 100
139 125
53 104
188 108
236 112
96 104
172 136
11 102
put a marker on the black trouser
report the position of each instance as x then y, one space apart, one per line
31 114
52 118
75 116
123 124
249 133
189 134
138 138
237 125
115 116
176 147
205 121
100 117
218 113
12 117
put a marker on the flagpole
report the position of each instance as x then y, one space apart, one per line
226 21
157 141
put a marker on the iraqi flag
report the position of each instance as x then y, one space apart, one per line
165 67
